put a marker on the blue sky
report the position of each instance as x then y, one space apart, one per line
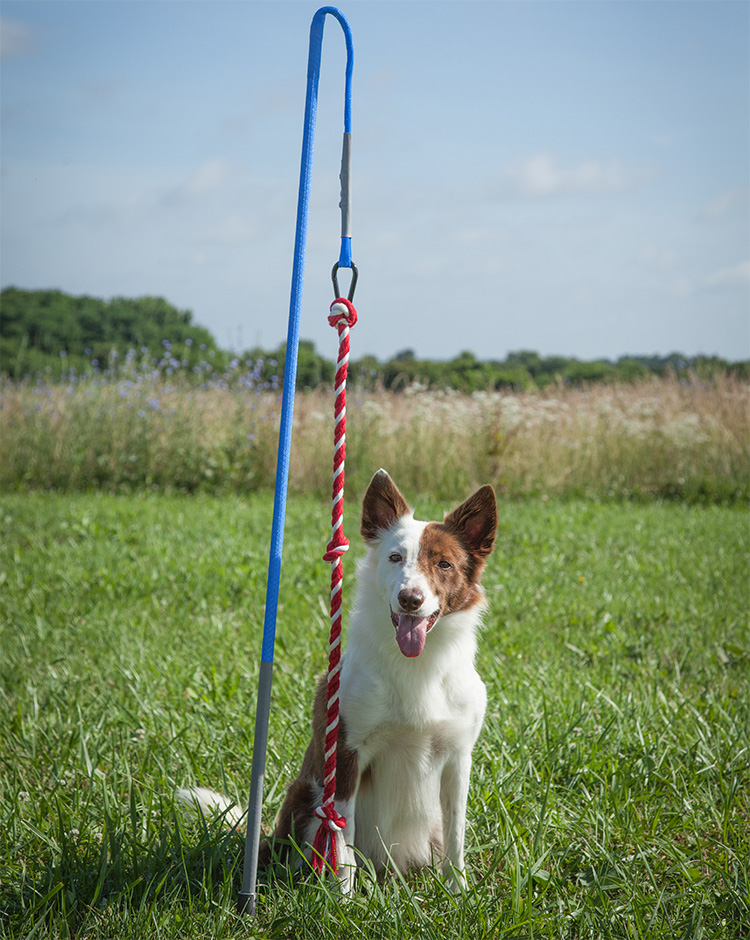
565 177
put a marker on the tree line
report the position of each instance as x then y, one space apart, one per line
51 334
50 331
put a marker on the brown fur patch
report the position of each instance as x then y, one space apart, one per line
381 506
474 522
448 568
452 553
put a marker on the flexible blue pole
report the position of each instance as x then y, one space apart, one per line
247 895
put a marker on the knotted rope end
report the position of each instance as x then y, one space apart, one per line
324 843
342 313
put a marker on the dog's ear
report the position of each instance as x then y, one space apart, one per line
475 522
382 505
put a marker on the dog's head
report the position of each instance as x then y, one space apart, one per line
426 570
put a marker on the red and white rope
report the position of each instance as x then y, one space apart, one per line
342 317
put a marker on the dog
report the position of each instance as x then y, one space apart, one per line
411 701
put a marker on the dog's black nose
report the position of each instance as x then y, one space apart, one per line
410 600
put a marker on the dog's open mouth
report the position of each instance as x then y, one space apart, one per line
411 632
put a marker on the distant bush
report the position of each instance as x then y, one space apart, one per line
51 332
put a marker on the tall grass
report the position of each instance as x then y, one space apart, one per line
669 437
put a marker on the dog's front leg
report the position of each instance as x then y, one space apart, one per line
454 791
346 859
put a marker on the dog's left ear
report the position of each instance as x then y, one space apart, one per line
475 522
381 506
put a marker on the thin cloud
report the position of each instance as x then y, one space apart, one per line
541 176
733 199
735 275
16 39
206 178
102 92
233 230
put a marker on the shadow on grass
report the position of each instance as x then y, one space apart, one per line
179 875
132 868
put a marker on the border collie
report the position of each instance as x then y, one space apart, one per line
411 701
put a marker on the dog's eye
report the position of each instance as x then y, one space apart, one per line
394 557
445 565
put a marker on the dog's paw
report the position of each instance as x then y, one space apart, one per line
347 869
346 875
455 880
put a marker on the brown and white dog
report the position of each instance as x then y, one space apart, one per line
411 701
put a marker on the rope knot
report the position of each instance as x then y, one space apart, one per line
337 547
324 843
342 313
330 818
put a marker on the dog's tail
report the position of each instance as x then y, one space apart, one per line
212 805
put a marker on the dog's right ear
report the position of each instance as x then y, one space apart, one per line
382 505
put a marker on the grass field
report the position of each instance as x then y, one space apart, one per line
610 789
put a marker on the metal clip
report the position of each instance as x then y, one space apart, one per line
334 278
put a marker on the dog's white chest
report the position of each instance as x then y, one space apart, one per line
422 712
406 733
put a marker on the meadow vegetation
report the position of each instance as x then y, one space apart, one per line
142 427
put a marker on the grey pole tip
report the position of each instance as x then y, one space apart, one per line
246 903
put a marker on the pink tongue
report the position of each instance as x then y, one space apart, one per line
411 634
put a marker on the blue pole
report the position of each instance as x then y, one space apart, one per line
247 895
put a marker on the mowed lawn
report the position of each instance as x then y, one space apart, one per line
610 794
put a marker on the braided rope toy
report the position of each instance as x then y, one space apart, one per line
343 316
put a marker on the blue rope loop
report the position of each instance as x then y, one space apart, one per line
295 304
313 74
316 40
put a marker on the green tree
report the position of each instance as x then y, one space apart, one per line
53 330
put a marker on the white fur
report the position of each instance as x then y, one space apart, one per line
209 803
413 722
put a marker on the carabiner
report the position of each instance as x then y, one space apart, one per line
334 278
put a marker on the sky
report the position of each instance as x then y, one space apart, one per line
565 177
